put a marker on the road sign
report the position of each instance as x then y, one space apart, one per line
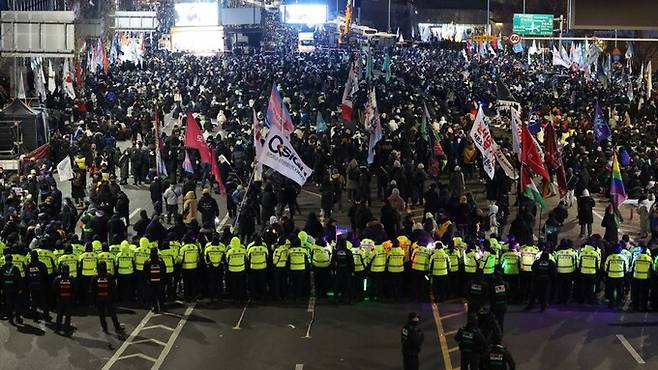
483 38
533 24
514 38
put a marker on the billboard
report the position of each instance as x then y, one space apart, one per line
613 14
240 16
533 24
37 33
304 13
196 14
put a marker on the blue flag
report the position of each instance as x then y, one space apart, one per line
601 128
387 66
624 158
320 124
518 48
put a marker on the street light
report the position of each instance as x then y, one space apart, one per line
389 16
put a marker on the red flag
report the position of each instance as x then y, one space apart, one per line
78 74
194 139
106 62
215 172
553 158
530 155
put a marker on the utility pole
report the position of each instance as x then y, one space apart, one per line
488 17
389 16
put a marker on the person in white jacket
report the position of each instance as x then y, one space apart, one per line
171 198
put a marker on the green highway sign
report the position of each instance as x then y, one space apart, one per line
533 24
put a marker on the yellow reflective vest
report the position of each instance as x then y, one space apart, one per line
615 266
395 260
257 255
440 262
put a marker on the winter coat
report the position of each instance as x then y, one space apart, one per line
189 208
585 207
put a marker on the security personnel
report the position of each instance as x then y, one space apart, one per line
12 289
528 255
498 357
125 265
470 264
499 297
169 257
455 276
589 264
280 263
320 260
420 264
257 254
48 258
70 260
360 262
64 287
19 258
297 262
487 262
141 254
102 286
115 247
567 260
395 268
615 269
543 273
78 248
511 265
412 341
439 265
37 279
97 246
154 269
236 260
377 268
88 262
213 255
108 257
641 269
342 262
471 344
189 255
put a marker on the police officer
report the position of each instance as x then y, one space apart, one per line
297 261
169 256
359 256
439 266
64 287
412 341
478 292
102 286
107 256
499 297
154 269
37 279
125 264
257 254
88 262
528 257
543 273
12 289
420 264
470 264
615 269
342 262
189 255
511 265
456 272
236 259
214 256
567 259
589 264
280 263
471 344
395 268
321 261
498 357
140 256
376 273
641 273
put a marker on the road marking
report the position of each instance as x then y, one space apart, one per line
454 314
630 349
299 367
134 213
453 349
150 340
311 307
157 327
312 193
237 326
222 222
441 334
451 332
125 344
140 355
173 337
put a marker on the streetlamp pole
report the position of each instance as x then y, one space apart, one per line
389 16
523 6
488 17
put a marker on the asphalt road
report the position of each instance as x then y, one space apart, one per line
313 334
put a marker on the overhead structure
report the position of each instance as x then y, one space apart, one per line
37 34
613 14
134 21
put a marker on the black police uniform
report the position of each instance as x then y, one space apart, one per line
154 271
471 345
499 293
103 291
412 340
12 289
343 263
543 272
498 358
64 287
37 279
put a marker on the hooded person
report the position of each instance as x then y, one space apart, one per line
189 208
585 213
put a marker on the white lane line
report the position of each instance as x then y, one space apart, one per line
134 213
140 355
158 327
237 325
151 340
173 337
312 193
127 342
299 367
311 307
630 349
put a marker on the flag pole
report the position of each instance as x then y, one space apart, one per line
244 198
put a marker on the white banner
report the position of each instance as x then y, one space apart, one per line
64 169
504 163
515 125
279 155
484 142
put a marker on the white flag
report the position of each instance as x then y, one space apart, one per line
64 169
279 155
484 142
51 78
258 146
649 80
39 81
67 79
20 87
